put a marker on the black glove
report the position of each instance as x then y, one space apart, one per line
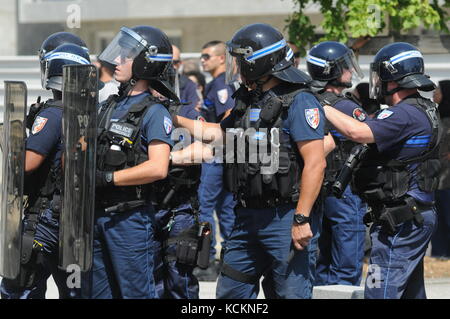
33 112
104 179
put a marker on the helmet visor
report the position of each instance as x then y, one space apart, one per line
374 82
125 46
348 62
232 68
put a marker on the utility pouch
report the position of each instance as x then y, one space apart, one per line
187 251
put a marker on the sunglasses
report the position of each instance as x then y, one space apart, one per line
205 56
176 62
296 55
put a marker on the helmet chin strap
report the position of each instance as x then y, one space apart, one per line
126 88
258 91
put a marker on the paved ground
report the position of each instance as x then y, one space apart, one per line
436 289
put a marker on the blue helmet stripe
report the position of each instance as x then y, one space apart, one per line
267 50
68 56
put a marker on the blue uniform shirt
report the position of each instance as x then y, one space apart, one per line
188 94
349 108
403 132
45 135
156 125
218 96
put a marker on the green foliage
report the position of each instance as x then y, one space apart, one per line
361 18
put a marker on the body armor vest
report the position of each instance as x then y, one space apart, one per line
119 146
337 157
179 187
264 165
45 183
381 180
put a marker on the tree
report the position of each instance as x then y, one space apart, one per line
363 19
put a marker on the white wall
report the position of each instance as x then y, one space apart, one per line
8 27
35 11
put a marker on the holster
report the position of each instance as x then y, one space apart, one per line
392 216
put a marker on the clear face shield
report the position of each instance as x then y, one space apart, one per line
125 46
349 62
232 68
374 82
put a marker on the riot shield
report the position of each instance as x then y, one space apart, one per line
12 178
80 98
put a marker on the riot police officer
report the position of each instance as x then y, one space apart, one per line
275 226
212 195
43 180
398 171
176 220
341 244
132 151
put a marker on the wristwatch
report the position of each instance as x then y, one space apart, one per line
301 219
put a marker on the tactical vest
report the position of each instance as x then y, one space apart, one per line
381 180
119 146
179 187
44 184
337 157
247 174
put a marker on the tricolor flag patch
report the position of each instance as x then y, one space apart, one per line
312 117
38 124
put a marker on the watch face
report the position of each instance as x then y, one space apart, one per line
109 177
301 219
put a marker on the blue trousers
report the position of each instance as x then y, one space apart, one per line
440 242
212 196
46 265
396 261
341 242
173 280
122 256
259 245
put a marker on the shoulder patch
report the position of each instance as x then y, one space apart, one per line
222 95
384 114
38 124
167 125
312 117
359 114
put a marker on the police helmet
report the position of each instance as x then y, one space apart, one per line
63 55
51 43
400 62
258 50
327 61
151 52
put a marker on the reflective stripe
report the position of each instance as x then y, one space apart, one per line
161 57
289 54
405 55
68 56
316 61
267 50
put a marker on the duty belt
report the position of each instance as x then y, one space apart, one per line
392 216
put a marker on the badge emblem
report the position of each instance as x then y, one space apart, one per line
359 114
384 115
167 125
312 117
38 124
222 95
